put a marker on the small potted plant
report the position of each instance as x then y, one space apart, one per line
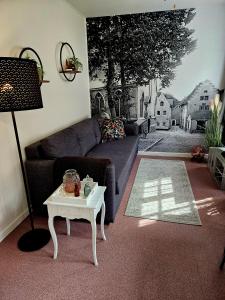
39 69
198 153
74 64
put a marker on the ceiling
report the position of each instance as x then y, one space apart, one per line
94 8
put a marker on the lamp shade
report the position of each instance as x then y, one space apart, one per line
19 85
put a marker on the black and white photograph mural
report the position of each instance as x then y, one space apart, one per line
137 63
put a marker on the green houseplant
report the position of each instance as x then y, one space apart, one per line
213 133
39 69
74 63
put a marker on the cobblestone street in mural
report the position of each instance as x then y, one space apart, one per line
173 140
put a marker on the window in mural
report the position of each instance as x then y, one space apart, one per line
141 64
117 99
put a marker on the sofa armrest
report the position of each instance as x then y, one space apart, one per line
131 129
100 169
40 182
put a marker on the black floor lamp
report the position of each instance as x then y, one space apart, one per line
20 90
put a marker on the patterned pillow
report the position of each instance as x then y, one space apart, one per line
112 129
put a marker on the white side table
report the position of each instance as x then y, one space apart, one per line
77 211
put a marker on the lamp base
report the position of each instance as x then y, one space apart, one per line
34 240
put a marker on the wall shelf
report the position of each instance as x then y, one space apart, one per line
69 74
70 71
37 60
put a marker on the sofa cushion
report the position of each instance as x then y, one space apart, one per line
75 140
121 153
112 129
87 134
60 144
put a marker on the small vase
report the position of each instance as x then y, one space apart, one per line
69 180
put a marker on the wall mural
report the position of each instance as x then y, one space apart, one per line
132 63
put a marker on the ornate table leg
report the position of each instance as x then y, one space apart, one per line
53 234
68 226
93 226
102 221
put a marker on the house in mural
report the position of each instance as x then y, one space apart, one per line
146 98
162 112
176 115
195 109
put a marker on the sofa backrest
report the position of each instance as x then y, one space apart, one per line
75 140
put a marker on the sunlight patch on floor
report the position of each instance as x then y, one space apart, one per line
203 203
145 222
154 188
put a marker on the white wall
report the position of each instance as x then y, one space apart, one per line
41 25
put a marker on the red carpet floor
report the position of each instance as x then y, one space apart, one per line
141 259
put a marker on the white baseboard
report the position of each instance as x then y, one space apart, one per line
165 154
9 228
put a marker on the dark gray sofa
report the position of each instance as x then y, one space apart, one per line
79 146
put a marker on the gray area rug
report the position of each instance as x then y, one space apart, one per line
162 191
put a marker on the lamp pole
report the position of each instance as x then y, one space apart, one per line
23 170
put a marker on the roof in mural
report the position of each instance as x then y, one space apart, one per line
195 90
172 100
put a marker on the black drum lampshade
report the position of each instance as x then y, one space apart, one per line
20 90
19 85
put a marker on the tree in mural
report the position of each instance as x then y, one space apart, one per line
138 48
101 33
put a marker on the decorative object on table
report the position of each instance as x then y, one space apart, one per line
112 129
60 195
87 185
71 65
213 132
162 191
77 185
87 189
88 179
30 53
198 153
20 90
69 181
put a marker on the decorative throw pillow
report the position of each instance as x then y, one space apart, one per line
112 129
